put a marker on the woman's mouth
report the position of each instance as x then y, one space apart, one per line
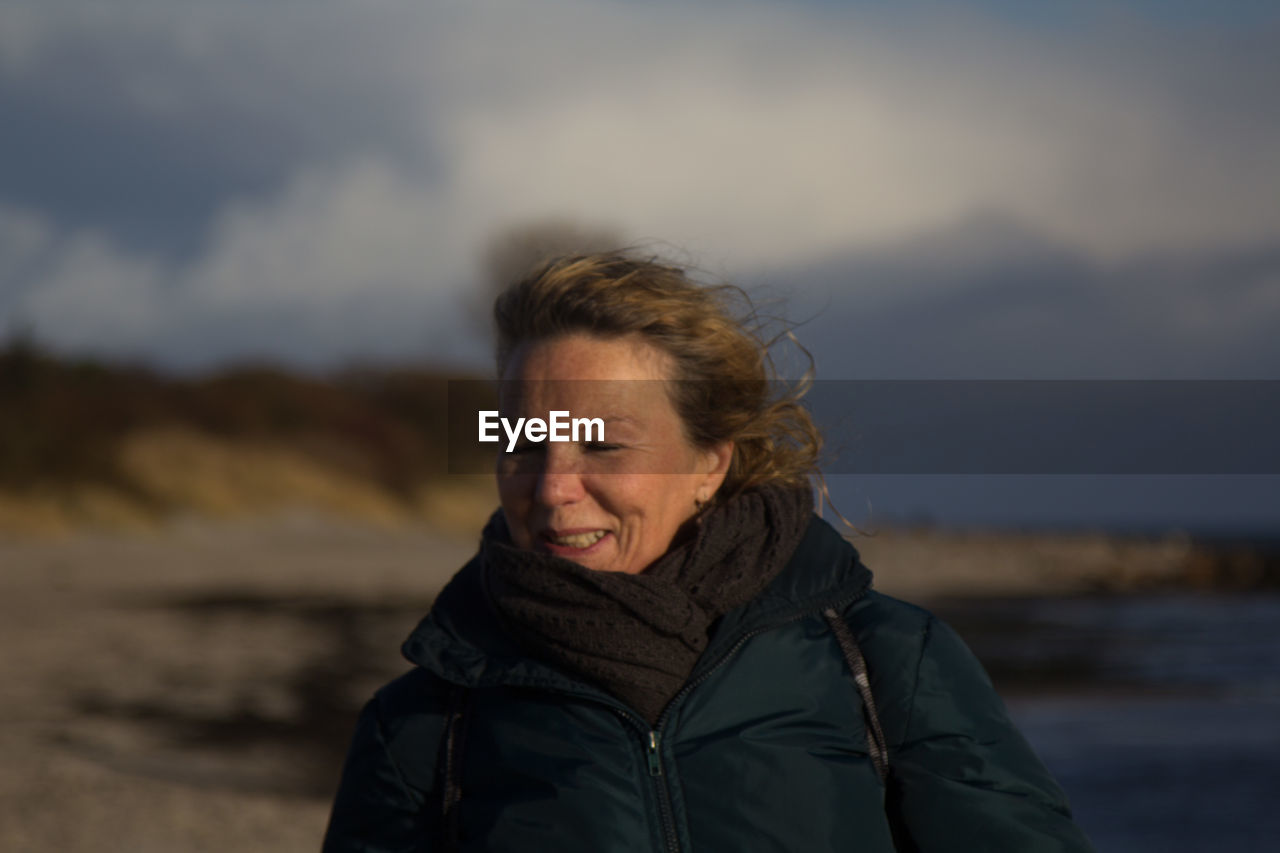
573 543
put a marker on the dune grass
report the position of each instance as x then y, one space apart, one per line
91 441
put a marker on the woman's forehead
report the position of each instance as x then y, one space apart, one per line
625 402
624 380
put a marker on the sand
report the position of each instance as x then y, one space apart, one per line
194 689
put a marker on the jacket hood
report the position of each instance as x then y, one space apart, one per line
463 641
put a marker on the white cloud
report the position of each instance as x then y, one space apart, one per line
24 238
772 134
330 233
94 297
344 264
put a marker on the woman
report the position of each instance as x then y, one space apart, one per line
659 647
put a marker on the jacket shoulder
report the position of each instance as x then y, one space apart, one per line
960 768
892 635
886 613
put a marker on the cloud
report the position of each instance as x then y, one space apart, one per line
23 241
989 299
341 265
310 181
142 120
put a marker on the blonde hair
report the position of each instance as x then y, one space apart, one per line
726 386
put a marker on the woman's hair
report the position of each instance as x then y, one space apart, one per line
725 389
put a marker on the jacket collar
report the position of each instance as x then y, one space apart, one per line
462 640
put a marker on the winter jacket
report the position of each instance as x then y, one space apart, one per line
765 748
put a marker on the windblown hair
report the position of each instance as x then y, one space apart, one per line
726 387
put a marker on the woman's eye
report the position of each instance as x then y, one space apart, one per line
601 447
524 448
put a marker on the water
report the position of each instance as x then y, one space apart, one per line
1159 715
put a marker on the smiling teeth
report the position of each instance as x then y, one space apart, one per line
580 540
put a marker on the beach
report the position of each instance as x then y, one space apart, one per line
192 686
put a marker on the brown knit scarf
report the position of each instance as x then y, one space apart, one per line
639 636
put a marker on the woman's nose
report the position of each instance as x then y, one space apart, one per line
559 481
554 489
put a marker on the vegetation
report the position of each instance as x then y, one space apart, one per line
69 425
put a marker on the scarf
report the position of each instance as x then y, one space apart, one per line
639 635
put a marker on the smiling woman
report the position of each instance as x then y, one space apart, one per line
659 646
612 507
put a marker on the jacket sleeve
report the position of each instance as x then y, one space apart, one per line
962 777
385 796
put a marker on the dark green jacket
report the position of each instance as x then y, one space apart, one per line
765 749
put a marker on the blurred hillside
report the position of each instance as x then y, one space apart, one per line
89 444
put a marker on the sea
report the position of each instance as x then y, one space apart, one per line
1159 714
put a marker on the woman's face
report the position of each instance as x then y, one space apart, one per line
614 505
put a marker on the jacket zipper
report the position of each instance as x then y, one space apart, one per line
653 756
654 741
655 760
669 832
655 734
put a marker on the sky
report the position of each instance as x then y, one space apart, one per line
964 190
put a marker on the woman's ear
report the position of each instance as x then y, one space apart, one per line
714 468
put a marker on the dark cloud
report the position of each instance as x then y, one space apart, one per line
151 185
145 127
991 299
